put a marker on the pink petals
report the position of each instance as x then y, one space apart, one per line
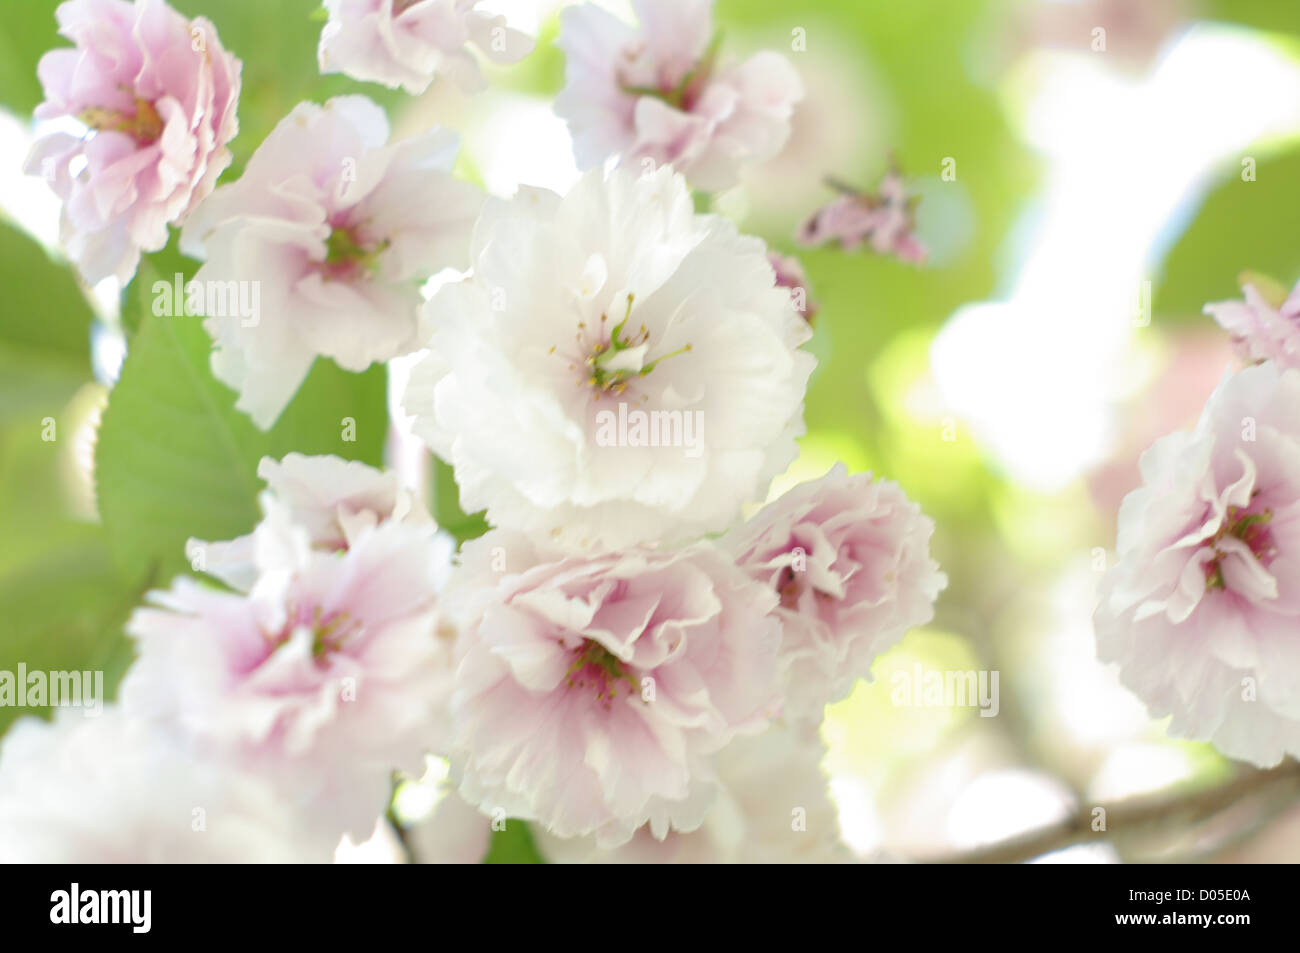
1266 325
883 220
663 94
1202 610
408 43
157 94
849 559
593 688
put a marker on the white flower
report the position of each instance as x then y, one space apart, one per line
661 93
331 672
407 43
324 242
616 370
112 789
772 808
333 500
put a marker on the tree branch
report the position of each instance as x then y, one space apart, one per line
1142 815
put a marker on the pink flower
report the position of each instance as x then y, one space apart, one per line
1202 610
331 231
157 93
1266 326
333 499
850 560
660 92
790 274
592 689
407 43
329 674
885 220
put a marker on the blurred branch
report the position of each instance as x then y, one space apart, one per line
839 185
1177 808
399 829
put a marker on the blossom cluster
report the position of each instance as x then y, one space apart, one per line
1202 609
623 660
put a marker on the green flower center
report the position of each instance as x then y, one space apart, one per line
596 666
329 631
686 91
1253 530
346 257
609 368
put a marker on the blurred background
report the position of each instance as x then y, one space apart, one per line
1091 173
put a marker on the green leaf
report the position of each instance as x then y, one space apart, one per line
44 330
65 613
1261 14
175 459
62 603
29 30
1235 230
165 265
446 506
513 844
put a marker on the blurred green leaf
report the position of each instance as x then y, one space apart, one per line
1235 230
1272 15
513 844
64 613
541 72
175 459
29 30
44 330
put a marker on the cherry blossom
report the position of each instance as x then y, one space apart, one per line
156 93
408 43
333 230
884 220
618 369
850 560
663 93
330 673
1266 325
1202 609
592 689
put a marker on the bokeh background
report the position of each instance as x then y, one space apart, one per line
1101 188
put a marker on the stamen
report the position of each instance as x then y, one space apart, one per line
345 256
602 379
594 662
1251 529
144 126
